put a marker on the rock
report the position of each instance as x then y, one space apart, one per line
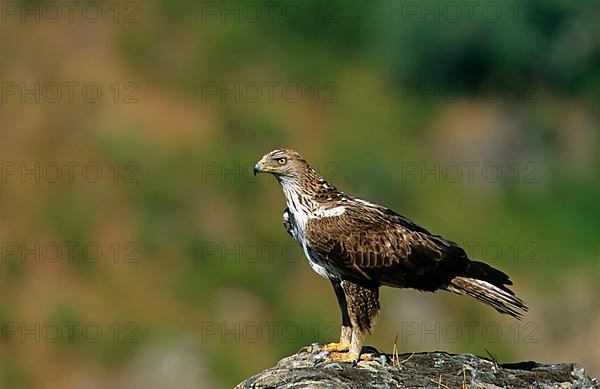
418 370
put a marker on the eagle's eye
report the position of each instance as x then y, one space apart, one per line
282 161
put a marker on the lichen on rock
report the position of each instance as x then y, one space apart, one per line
418 370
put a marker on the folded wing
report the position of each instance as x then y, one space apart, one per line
375 245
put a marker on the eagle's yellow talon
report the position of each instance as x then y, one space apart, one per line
336 347
342 357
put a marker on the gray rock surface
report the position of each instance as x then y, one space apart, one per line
418 370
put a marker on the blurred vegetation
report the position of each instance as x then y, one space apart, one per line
184 218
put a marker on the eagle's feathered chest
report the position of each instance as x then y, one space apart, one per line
301 211
298 222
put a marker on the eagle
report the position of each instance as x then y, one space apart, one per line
361 246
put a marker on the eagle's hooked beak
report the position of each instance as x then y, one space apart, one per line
258 168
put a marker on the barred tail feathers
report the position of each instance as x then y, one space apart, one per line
500 298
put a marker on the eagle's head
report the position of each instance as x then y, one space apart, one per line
282 163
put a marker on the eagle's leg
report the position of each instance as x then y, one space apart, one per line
363 307
346 333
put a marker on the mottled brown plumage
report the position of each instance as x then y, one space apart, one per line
361 246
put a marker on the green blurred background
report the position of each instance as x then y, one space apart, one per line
197 284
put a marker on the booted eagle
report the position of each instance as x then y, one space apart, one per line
360 246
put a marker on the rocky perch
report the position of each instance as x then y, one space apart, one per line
418 370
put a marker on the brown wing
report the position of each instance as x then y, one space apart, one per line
376 245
